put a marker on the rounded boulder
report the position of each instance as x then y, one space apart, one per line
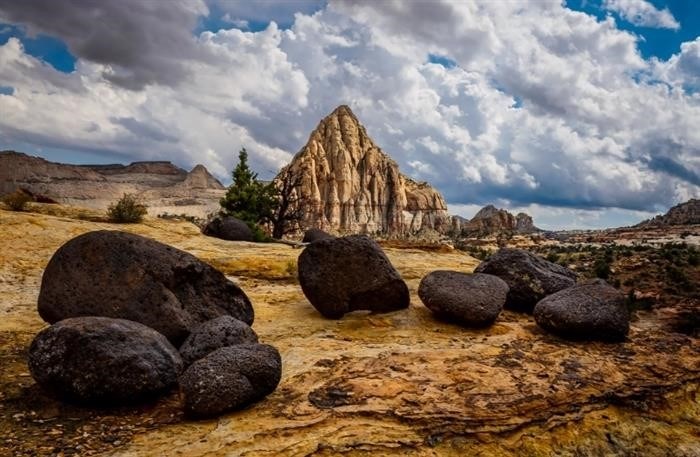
121 275
473 300
228 228
530 278
103 361
340 275
589 311
230 378
214 334
314 234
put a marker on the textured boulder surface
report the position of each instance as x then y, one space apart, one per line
529 277
351 273
315 234
350 185
103 360
230 378
228 228
468 299
121 275
590 311
214 334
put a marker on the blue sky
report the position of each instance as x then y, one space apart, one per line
582 113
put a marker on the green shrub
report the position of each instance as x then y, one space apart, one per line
601 268
126 209
552 257
17 200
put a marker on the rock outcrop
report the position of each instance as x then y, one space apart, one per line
349 185
121 275
340 275
162 186
103 360
490 220
687 213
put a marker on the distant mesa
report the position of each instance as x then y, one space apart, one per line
349 185
490 220
163 186
687 213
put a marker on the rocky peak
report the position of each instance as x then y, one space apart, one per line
489 220
686 213
200 178
349 185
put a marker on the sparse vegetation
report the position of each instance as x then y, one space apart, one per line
17 200
127 209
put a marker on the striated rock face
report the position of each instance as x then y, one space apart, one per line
162 186
682 214
491 220
351 186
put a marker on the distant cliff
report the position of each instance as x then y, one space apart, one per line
163 186
687 213
490 220
349 185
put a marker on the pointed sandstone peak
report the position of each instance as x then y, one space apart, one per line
200 178
350 185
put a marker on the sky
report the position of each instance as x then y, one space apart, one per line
582 113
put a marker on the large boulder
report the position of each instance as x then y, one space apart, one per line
589 311
214 334
230 378
103 361
529 277
314 234
340 275
228 228
121 275
468 299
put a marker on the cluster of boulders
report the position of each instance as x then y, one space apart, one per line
120 304
339 275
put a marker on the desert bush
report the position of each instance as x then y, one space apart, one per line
126 209
552 257
17 200
601 268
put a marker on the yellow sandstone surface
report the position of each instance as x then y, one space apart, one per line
401 383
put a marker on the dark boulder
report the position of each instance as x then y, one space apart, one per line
228 228
467 299
529 277
121 275
589 311
340 275
230 378
103 361
215 334
315 234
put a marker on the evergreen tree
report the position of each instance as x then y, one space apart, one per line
248 199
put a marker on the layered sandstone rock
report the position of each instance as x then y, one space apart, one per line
350 185
490 220
163 186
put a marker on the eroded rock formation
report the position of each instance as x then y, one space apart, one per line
351 186
162 186
490 220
